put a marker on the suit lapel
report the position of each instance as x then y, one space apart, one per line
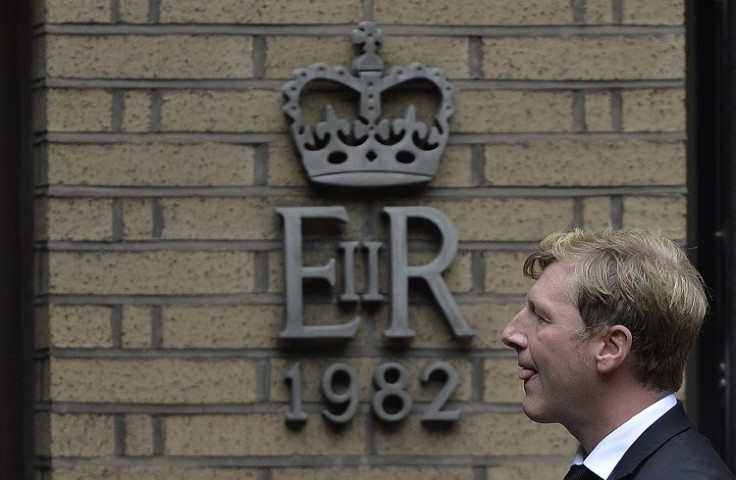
670 424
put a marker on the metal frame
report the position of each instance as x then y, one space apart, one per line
711 95
16 243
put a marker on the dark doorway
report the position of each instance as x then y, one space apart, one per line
711 31
16 296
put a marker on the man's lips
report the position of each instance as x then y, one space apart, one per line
526 373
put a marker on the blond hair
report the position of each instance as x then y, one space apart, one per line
639 280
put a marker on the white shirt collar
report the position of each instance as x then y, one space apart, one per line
611 449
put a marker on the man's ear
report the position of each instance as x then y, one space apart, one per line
613 346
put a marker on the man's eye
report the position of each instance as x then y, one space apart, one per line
535 315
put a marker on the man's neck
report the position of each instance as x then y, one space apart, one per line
614 412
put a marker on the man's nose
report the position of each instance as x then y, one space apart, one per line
511 336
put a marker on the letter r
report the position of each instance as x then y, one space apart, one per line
431 272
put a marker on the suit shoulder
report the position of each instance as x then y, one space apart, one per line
687 455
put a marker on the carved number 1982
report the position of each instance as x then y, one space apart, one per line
390 402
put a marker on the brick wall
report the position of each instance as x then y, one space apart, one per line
161 154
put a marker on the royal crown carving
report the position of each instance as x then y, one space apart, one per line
369 151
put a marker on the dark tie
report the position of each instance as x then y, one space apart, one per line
580 472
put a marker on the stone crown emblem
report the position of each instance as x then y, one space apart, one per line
369 151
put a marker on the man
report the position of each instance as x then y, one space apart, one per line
602 343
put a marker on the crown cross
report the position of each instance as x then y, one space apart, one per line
370 37
369 151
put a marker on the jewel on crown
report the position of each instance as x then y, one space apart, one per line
369 151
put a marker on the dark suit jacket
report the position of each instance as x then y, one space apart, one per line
671 449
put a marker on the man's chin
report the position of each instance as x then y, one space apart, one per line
534 411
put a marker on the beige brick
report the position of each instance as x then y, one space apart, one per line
459 275
221 326
137 114
319 312
489 320
473 12
71 11
262 11
153 380
595 163
75 435
137 219
160 164
495 434
288 53
41 273
252 218
504 272
75 110
374 473
450 54
141 56
77 219
150 273
585 58
159 472
313 370
79 326
598 12
455 168
138 435
502 383
241 218
276 272
598 116
40 164
654 110
597 213
226 435
654 12
41 327
284 166
136 327
431 327
667 215
492 219
39 107
133 11
41 380
242 111
485 111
